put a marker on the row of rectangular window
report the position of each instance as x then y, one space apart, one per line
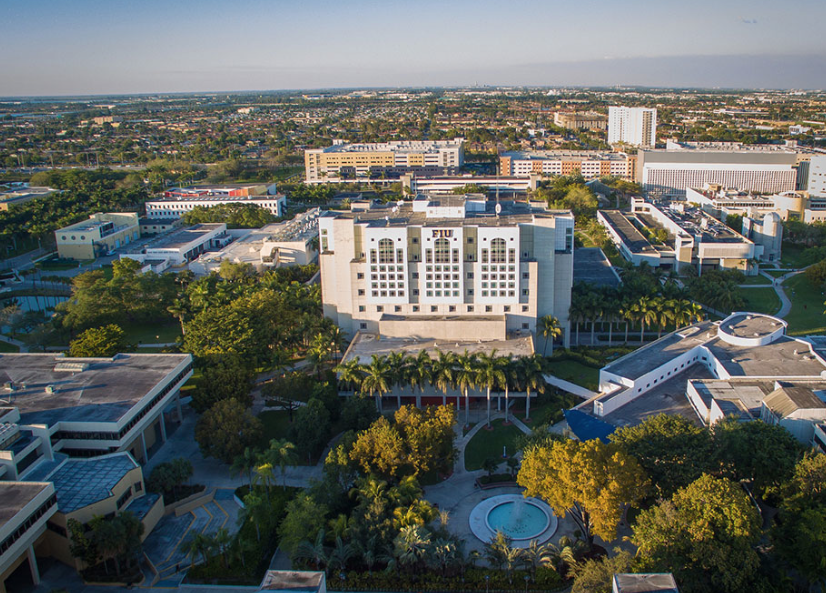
30 520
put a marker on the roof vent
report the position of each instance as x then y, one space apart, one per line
71 367
50 389
9 385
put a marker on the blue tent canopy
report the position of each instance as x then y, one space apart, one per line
587 427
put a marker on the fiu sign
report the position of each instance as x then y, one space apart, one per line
442 233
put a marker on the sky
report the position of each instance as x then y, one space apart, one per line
87 47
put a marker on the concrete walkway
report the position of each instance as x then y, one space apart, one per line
13 342
777 284
569 387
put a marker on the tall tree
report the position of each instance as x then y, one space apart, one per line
592 481
226 429
491 374
550 329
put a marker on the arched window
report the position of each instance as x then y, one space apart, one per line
386 251
442 251
497 251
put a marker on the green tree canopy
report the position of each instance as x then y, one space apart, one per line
226 429
103 341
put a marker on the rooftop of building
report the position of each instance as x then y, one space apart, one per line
292 580
599 155
405 214
112 219
784 357
630 235
213 198
748 325
741 156
141 506
396 146
646 583
104 391
183 237
365 345
787 399
81 482
15 496
593 267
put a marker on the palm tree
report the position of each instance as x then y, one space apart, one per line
313 551
340 555
254 511
646 314
442 372
665 313
490 374
509 370
531 377
179 309
420 374
246 462
264 474
577 313
282 453
351 373
629 315
221 541
411 545
466 375
549 328
400 364
377 378
596 311
199 544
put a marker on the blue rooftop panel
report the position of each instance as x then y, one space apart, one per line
81 482
587 427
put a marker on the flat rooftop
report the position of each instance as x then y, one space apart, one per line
292 580
745 325
365 345
403 215
395 146
550 155
784 357
185 236
630 235
104 392
81 482
15 496
592 266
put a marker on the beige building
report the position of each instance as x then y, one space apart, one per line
589 163
97 236
448 267
343 162
572 120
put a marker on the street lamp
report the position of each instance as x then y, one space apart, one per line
487 583
527 578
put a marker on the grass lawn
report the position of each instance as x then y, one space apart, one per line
760 300
60 264
153 334
6 347
284 172
489 443
575 372
791 255
775 273
806 316
276 424
756 280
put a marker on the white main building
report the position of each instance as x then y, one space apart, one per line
450 268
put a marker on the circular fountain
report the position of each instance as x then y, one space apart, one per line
521 519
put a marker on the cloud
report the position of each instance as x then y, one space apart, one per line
748 21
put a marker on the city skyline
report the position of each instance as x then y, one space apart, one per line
85 48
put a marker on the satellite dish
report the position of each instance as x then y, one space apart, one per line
498 209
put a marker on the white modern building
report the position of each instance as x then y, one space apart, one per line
504 184
632 125
690 237
176 202
182 246
744 365
790 205
347 163
668 173
291 243
447 267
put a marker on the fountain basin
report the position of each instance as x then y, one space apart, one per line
521 519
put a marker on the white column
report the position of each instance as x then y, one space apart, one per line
178 403
33 565
163 426
143 448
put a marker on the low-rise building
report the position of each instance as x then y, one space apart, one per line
572 120
790 205
176 202
675 235
748 367
182 246
445 185
97 236
343 162
16 194
283 244
158 226
588 163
